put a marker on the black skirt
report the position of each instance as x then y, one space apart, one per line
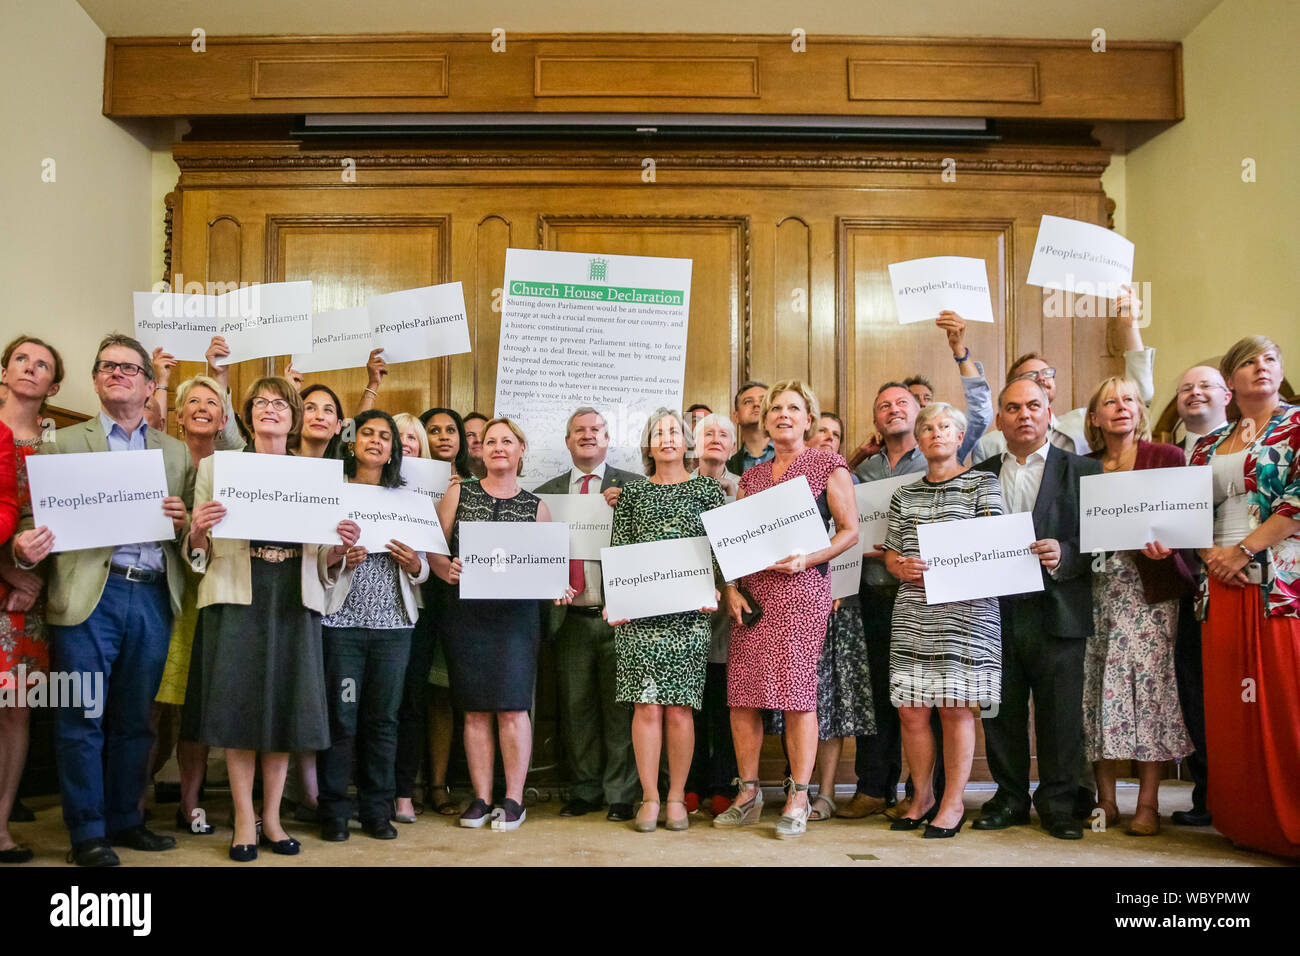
257 675
492 653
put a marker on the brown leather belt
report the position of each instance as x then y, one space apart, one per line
274 555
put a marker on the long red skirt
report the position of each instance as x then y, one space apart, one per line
1252 720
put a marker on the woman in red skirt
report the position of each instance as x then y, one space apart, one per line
1251 634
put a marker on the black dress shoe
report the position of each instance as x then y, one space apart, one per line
185 826
578 807
1192 818
242 852
620 812
933 832
1063 829
96 852
380 829
20 813
140 837
334 830
913 823
999 818
16 854
286 847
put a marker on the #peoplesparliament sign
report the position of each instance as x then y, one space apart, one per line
257 321
873 507
100 499
979 558
759 530
386 514
340 338
590 520
278 497
846 572
514 560
1080 257
658 577
417 324
1127 510
925 287
428 476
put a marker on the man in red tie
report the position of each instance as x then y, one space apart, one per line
596 729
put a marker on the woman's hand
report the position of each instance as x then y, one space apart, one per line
294 376
356 554
174 508
1225 564
405 557
163 362
1048 551
909 570
790 564
737 606
453 571
1156 552
567 598
835 605
218 349
206 517
605 616
611 495
32 546
350 533
376 369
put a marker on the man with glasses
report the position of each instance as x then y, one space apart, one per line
1066 432
1202 399
111 613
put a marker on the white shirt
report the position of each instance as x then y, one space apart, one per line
1020 483
592 593
1189 443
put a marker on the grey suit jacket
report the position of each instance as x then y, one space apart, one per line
559 485
78 577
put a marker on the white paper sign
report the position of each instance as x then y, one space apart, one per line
1127 510
761 529
846 572
925 287
429 476
514 560
339 339
1080 257
417 324
269 318
873 507
658 577
278 497
979 557
590 520
100 499
584 329
386 514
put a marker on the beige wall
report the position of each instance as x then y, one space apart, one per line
72 250
1222 255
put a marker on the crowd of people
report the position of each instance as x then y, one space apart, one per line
351 665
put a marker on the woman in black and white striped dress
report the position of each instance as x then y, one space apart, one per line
947 656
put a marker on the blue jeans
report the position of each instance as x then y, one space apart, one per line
103 759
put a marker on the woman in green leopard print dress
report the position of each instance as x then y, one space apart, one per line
660 661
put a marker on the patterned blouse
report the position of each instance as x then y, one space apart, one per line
1272 483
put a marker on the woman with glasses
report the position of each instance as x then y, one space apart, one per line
257 673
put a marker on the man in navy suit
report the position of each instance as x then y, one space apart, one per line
1044 632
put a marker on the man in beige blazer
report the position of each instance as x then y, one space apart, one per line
111 613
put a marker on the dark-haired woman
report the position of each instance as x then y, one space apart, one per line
257 677
367 629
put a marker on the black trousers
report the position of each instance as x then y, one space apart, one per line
413 714
879 759
1191 696
713 766
1050 669
364 672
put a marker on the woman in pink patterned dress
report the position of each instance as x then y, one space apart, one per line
31 371
773 663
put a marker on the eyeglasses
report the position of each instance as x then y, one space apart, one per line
129 369
1198 386
1042 375
279 404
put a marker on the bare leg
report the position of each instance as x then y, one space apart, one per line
275 767
801 746
479 751
1105 773
680 729
307 773
647 742
516 733
958 752
440 729
918 746
1148 805
242 765
13 754
747 737
193 760
828 758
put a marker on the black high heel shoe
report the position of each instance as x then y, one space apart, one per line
242 852
908 823
185 826
933 832
286 847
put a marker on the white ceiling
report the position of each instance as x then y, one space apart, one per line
1044 19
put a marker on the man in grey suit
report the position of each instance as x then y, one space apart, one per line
111 613
597 729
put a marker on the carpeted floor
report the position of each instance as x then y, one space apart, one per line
547 839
